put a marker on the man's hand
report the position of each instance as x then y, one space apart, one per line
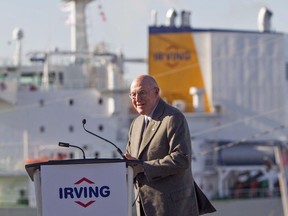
137 168
129 157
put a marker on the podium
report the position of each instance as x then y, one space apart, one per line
83 187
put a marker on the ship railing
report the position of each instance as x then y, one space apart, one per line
4 62
11 159
251 193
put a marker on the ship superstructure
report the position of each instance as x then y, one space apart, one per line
43 103
232 87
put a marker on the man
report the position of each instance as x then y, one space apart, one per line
160 138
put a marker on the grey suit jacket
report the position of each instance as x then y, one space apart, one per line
167 186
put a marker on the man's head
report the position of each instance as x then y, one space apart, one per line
144 93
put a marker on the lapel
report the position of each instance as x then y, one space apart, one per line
148 134
151 128
139 126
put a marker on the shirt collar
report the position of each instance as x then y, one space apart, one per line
151 114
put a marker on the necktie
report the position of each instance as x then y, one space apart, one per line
147 120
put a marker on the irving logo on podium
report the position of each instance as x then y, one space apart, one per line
91 192
84 188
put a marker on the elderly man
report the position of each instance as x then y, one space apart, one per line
160 138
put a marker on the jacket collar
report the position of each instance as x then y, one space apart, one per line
152 127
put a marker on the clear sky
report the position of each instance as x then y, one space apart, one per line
127 21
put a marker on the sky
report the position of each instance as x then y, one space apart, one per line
126 23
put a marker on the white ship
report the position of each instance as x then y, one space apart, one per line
231 85
43 103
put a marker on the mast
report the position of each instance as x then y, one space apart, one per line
79 42
18 35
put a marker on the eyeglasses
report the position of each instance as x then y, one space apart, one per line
141 93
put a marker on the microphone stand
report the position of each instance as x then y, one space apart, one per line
118 149
67 145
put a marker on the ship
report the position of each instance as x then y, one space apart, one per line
231 85
44 102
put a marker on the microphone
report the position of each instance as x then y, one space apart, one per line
118 149
67 145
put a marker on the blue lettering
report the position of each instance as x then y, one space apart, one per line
158 56
90 192
104 191
60 193
79 191
184 56
68 192
93 191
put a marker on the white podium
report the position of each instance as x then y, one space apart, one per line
83 187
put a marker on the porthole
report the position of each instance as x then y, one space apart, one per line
42 129
41 102
96 154
71 102
100 128
71 128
